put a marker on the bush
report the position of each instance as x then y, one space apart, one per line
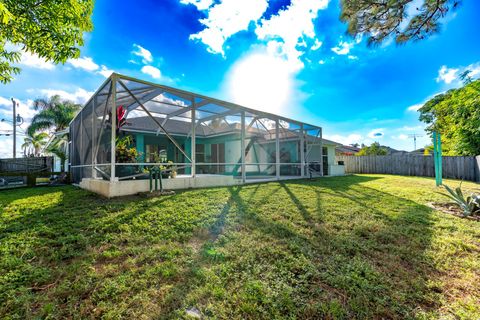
470 205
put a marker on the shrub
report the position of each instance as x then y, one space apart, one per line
470 205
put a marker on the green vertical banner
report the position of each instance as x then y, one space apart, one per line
437 157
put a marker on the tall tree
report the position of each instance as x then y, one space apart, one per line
58 147
456 115
52 29
55 114
375 149
34 143
380 19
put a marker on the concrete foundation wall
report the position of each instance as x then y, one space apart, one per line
336 170
130 187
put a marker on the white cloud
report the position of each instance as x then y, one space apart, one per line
415 107
343 47
4 103
345 140
227 18
78 96
26 111
85 63
475 69
401 137
24 108
412 128
452 75
104 71
143 53
265 76
316 45
34 61
6 147
152 71
290 27
321 62
200 4
352 57
447 75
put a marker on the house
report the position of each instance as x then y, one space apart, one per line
344 150
130 126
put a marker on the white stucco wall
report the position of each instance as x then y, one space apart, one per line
124 188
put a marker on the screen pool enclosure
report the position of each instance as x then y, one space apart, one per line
130 126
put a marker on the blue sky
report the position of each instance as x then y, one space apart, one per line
287 57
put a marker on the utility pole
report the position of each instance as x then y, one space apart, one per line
14 128
16 121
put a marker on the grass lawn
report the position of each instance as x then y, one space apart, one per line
355 247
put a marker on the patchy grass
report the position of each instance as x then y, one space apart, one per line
364 246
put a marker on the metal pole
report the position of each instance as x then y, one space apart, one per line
94 105
14 128
439 160
437 157
277 148
193 147
435 165
302 151
114 126
242 147
321 152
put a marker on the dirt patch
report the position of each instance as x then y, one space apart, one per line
156 193
451 208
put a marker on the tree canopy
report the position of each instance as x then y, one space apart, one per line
375 149
456 115
55 114
51 29
380 19
33 143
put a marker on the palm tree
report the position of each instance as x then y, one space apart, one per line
58 147
55 114
34 142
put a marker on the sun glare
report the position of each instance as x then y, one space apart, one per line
262 82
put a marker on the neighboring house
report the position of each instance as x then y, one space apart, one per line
395 152
420 152
343 150
199 137
60 139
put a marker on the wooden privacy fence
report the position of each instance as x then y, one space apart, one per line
463 168
26 165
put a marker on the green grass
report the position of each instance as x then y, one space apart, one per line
356 247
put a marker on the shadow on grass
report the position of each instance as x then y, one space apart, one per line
367 253
325 248
58 247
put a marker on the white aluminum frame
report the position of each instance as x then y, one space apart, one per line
231 110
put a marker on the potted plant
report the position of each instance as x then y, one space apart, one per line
124 153
173 170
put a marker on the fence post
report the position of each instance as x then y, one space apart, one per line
477 168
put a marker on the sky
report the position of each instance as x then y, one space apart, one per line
291 58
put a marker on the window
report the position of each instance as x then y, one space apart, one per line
180 158
200 153
155 153
325 160
218 156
